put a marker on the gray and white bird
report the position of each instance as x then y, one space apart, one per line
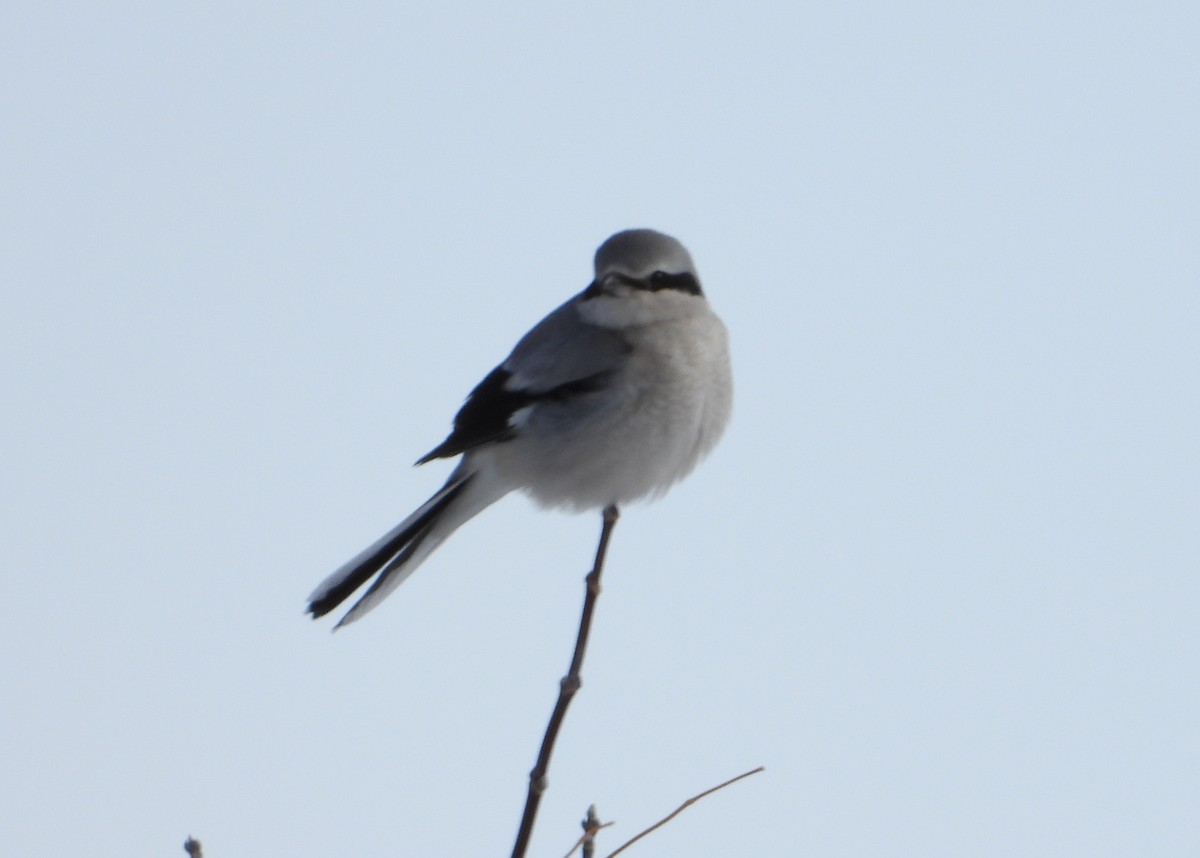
613 397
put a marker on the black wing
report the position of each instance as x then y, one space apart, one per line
562 357
488 412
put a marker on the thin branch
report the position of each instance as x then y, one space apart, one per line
591 824
680 810
566 689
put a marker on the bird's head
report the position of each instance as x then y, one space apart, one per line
642 277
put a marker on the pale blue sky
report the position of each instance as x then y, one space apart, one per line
940 578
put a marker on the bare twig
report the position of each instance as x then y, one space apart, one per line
591 824
192 847
566 689
680 810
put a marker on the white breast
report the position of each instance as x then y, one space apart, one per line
663 411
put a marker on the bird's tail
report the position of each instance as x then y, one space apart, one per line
398 553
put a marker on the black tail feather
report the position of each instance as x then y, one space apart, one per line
369 565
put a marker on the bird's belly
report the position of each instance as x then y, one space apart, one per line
635 445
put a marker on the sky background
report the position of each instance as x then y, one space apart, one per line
940 578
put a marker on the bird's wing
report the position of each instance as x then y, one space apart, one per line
561 358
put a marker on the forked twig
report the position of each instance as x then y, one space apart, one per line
566 689
680 810
591 824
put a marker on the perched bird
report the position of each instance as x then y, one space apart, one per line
614 396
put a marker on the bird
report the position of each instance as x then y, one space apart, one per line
613 397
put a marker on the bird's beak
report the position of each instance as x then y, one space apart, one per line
610 284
